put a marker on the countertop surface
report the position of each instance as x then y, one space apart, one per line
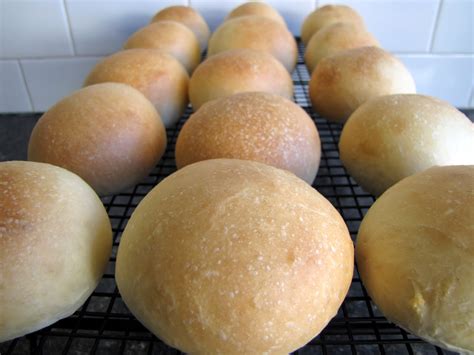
15 130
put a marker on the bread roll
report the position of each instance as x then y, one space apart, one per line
156 74
344 81
109 134
170 37
238 70
55 242
336 38
234 257
415 255
252 126
392 137
188 17
256 32
258 9
327 15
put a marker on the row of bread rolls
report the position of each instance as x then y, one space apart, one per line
348 67
246 258
55 234
241 97
112 132
414 247
389 132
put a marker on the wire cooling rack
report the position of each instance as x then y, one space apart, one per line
103 325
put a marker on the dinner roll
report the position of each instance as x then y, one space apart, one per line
252 126
392 137
327 15
188 17
336 38
415 255
156 74
234 257
256 8
170 37
344 81
109 134
238 70
256 32
55 242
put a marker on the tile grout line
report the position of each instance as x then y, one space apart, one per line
68 21
435 27
30 98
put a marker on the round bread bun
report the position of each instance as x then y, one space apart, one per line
188 17
258 9
109 134
327 15
55 238
156 74
336 38
256 32
392 137
238 70
252 126
171 37
415 255
344 81
234 257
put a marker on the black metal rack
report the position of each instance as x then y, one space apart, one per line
103 325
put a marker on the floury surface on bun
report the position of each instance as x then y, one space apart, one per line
234 257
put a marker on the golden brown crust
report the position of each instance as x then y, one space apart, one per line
258 9
256 32
188 17
336 38
395 136
252 126
109 134
55 241
238 70
415 255
327 15
171 37
245 258
344 81
156 74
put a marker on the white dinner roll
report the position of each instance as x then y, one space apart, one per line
344 81
256 8
171 37
238 70
392 137
156 74
415 255
336 38
109 134
252 126
55 242
234 257
327 15
256 32
188 17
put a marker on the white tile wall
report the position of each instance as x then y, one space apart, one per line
449 77
51 79
13 93
455 28
101 27
51 44
33 28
